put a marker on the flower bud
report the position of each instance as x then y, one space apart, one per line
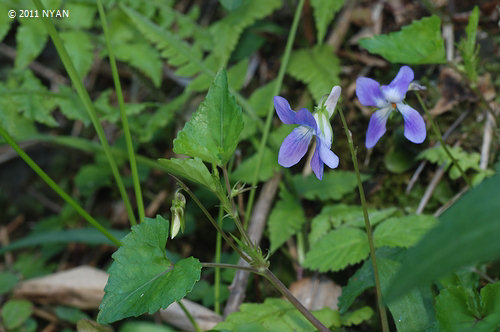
177 211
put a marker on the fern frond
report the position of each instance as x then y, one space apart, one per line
228 30
468 47
186 26
324 11
188 58
177 51
318 67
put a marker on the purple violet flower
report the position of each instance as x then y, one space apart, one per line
387 98
295 145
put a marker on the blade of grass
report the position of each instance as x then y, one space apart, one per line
267 125
89 106
121 102
45 177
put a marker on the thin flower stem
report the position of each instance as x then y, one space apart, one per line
280 287
218 248
209 217
267 125
121 102
475 89
189 316
437 133
230 266
85 98
293 300
45 177
381 307
234 211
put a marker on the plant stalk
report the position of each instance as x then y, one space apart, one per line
293 300
218 248
280 287
209 217
85 98
267 125
121 102
381 307
189 316
437 133
234 211
52 184
230 266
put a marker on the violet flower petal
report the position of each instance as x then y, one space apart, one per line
395 92
327 156
376 126
415 130
284 110
304 118
368 92
316 163
294 147
332 99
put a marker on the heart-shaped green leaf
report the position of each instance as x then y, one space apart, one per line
142 279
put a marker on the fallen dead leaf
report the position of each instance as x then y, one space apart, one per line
316 293
83 287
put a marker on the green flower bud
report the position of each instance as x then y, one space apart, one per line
177 211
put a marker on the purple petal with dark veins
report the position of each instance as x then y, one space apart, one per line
304 118
327 156
376 126
284 110
395 92
368 92
415 130
316 163
294 147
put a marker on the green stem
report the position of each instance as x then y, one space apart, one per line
218 248
300 247
381 307
209 217
190 317
230 266
234 211
267 125
293 300
266 273
437 133
121 102
45 177
476 90
85 98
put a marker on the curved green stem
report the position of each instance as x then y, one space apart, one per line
85 98
266 273
437 133
381 307
189 316
230 266
293 300
234 211
209 217
218 249
121 102
45 177
267 125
